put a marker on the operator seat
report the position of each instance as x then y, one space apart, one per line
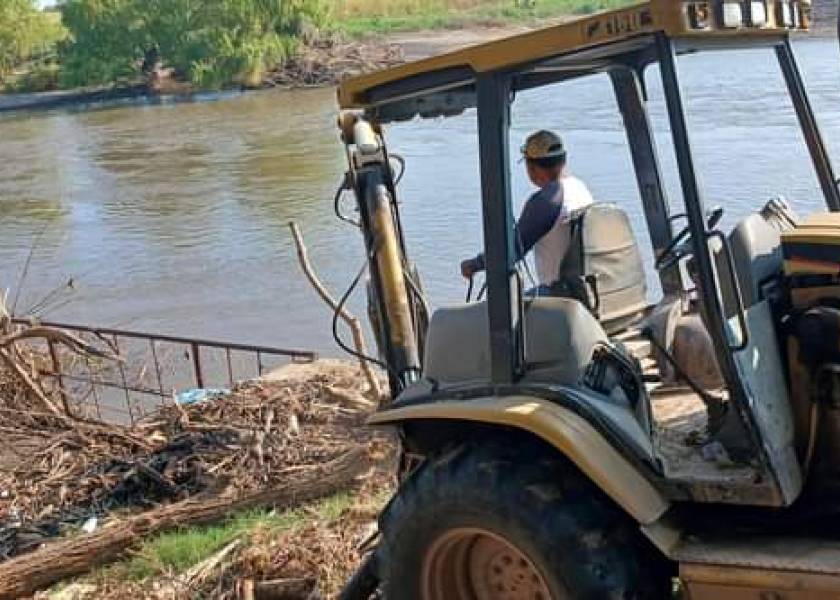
560 337
757 257
604 256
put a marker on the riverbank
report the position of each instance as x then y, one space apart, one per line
322 62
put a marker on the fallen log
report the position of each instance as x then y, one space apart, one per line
62 559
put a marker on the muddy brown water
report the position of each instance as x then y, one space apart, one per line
172 217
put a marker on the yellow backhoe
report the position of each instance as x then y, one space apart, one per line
609 445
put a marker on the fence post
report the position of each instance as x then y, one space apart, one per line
199 379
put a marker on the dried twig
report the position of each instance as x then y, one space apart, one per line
197 574
28 381
74 343
351 321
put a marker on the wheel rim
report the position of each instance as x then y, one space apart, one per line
474 564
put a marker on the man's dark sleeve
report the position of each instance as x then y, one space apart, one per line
538 217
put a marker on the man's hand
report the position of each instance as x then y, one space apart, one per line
469 268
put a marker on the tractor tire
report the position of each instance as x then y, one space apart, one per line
492 521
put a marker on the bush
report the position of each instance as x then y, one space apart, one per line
211 43
41 76
25 32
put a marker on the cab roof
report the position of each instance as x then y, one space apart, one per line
445 84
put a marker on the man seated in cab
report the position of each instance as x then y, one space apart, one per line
545 222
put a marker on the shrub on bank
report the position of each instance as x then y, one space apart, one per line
25 34
210 43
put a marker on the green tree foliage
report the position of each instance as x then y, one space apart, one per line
209 42
25 32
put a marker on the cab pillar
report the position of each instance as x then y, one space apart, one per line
504 294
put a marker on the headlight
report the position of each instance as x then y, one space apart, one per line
699 15
758 13
731 14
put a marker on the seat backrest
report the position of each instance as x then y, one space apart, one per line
757 256
603 245
560 336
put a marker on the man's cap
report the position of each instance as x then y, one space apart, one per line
543 144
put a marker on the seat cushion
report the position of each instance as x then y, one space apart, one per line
560 336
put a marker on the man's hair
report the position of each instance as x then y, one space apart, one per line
549 163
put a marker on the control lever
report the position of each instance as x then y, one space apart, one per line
716 408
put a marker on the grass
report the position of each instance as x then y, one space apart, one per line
363 17
179 550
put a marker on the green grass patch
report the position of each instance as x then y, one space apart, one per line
177 551
414 17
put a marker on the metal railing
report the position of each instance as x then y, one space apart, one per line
154 368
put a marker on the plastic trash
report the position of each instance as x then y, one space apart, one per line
90 525
199 395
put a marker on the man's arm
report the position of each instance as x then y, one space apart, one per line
538 217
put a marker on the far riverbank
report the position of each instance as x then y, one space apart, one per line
321 63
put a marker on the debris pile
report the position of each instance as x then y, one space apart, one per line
308 563
326 61
266 443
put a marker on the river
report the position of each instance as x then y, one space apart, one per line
172 217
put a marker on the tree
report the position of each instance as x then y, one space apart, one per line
24 31
210 42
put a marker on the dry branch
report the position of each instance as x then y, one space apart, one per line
352 322
52 334
15 367
55 561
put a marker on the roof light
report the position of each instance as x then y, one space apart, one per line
785 14
804 14
699 15
758 13
731 14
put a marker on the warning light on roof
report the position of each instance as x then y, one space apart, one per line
758 13
731 15
747 14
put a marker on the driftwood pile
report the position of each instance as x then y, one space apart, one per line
327 61
267 443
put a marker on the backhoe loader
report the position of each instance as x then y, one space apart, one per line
587 446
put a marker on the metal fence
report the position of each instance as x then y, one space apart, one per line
154 368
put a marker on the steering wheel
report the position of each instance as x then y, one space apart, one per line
681 244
